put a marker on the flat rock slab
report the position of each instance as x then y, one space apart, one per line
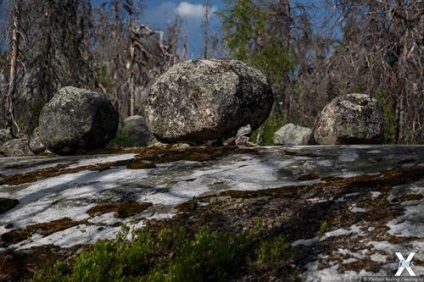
346 210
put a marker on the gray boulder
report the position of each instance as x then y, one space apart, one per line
135 128
350 119
77 120
291 134
201 100
34 143
16 147
4 135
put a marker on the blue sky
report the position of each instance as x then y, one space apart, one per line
159 13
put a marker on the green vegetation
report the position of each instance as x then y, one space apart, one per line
389 119
248 36
264 134
322 229
122 138
170 254
273 251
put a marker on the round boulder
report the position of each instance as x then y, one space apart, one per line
136 129
291 134
350 119
34 142
200 100
77 120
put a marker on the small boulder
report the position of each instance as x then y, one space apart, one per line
135 128
4 135
201 100
77 120
35 144
350 119
16 147
291 134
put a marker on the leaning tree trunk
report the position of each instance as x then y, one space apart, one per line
10 96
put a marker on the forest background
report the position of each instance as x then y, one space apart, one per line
311 52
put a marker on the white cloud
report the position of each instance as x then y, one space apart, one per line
185 9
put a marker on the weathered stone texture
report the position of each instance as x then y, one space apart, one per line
136 129
16 147
291 134
77 120
201 100
34 142
350 119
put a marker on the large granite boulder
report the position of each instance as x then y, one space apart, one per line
291 134
136 129
350 119
77 120
201 100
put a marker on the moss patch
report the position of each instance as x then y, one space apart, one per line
44 229
140 164
121 210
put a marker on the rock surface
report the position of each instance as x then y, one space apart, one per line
77 120
135 128
350 119
345 210
34 142
201 100
16 147
291 134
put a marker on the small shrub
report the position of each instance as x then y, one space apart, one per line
169 254
389 119
322 229
265 133
122 139
273 252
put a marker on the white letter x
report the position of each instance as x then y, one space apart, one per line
408 260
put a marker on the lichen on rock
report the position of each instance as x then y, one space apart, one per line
200 100
77 120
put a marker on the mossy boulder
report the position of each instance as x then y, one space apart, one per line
77 120
350 119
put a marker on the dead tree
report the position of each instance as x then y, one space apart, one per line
10 96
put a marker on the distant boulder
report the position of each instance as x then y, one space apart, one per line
77 120
291 134
350 119
201 100
16 147
136 129
34 142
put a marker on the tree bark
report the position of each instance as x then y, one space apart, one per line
10 96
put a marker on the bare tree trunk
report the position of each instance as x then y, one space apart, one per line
10 96
130 65
206 23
